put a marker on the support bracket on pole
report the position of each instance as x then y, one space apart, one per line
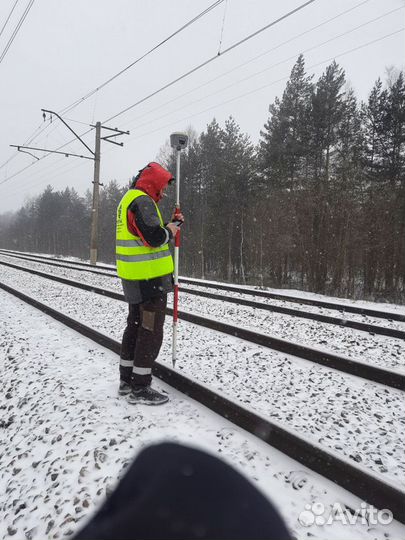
66 154
116 133
23 151
70 129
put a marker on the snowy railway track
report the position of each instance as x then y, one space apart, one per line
344 308
356 479
347 365
339 321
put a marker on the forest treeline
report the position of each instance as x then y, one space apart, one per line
318 204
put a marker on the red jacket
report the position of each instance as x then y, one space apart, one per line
142 217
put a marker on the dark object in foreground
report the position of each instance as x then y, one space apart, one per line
176 492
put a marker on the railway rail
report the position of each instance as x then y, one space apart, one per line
344 322
345 308
366 371
356 479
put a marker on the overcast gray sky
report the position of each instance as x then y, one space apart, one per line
66 48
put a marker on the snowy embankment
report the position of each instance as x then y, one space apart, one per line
357 418
378 350
66 437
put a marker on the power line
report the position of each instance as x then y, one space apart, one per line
8 18
283 43
347 52
272 82
92 92
77 121
17 28
58 165
317 64
186 25
294 56
40 129
222 29
261 71
244 40
43 157
203 64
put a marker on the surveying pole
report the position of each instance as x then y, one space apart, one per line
178 141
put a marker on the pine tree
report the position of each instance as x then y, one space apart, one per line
384 202
327 113
238 171
345 198
284 145
283 159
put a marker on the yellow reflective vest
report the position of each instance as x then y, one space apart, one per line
135 261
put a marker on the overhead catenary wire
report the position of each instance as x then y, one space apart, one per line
5 52
8 18
40 129
16 30
231 85
237 97
209 60
317 64
250 92
92 92
150 51
224 73
240 65
222 29
231 47
43 157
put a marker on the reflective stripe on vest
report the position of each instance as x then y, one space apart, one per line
135 261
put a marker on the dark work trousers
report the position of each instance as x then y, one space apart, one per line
142 340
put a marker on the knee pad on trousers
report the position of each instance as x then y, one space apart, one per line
148 320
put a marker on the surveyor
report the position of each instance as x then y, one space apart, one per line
145 266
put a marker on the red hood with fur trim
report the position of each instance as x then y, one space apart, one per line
153 179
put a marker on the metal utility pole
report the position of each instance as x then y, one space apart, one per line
96 184
95 156
96 193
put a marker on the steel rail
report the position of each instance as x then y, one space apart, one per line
62 264
356 479
298 300
364 327
264 294
385 376
327 319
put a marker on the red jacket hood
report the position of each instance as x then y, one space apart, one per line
153 179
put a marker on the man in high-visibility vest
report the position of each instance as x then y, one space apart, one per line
145 266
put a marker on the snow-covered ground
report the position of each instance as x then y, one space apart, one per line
66 437
362 420
378 350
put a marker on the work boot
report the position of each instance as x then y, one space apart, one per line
145 395
124 388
